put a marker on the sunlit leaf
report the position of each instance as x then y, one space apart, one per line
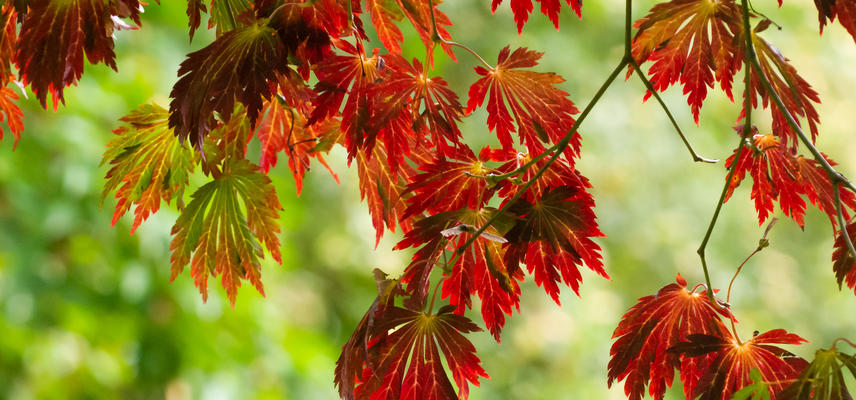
147 164
222 230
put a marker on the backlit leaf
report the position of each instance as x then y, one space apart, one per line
652 326
691 40
536 104
384 14
147 164
780 175
553 236
796 94
222 230
732 363
550 8
404 361
383 190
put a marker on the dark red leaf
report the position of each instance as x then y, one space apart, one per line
239 65
480 269
553 236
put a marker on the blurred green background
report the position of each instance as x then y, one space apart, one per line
87 311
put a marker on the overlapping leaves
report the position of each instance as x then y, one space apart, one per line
238 65
284 129
222 230
478 270
732 363
147 164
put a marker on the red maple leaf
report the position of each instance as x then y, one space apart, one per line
352 76
56 35
284 129
383 189
542 112
732 362
479 270
553 236
432 108
774 177
818 188
652 326
550 8
449 184
384 14
419 13
690 40
409 366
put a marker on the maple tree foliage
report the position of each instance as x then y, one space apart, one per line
302 78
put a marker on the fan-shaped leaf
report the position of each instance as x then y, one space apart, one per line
215 236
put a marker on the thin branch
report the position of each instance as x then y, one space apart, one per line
650 87
844 232
747 130
559 148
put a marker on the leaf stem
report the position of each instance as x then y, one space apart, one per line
559 148
762 244
435 36
650 87
434 295
845 340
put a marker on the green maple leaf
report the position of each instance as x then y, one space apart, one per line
214 235
147 164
